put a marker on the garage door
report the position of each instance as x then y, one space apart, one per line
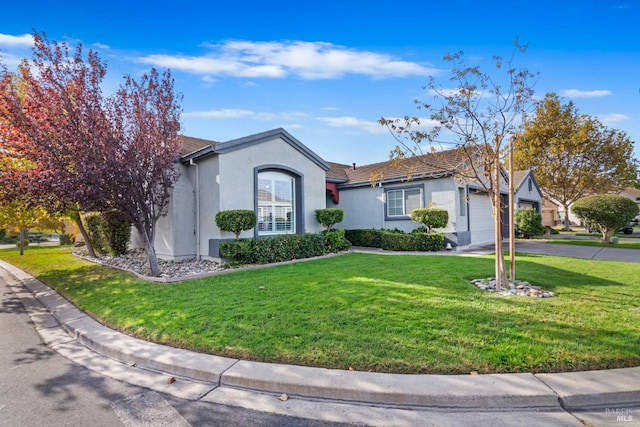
481 219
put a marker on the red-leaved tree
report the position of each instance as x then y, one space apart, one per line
52 118
145 115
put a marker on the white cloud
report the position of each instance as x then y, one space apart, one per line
231 113
307 60
612 118
226 113
24 40
367 126
575 93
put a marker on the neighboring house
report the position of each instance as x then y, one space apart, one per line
380 196
550 212
633 194
271 173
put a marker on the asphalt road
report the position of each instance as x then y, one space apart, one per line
39 387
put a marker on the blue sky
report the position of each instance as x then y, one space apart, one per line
327 71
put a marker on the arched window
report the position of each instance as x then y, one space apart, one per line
276 203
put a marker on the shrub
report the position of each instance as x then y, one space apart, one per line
608 212
396 240
26 243
329 217
529 222
96 236
65 239
423 242
273 249
430 217
364 237
335 241
236 221
116 232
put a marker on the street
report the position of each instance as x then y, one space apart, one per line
39 387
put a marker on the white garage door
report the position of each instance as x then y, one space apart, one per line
481 219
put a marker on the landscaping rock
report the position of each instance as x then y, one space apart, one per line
518 287
136 260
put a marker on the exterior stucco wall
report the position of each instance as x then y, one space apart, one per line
523 194
365 206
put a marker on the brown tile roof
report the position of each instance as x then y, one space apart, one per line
191 144
423 166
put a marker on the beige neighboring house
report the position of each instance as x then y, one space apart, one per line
550 213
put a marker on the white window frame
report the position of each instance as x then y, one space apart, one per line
405 209
275 213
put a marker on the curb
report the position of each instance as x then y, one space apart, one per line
68 330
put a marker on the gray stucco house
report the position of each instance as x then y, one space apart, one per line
284 182
271 172
381 195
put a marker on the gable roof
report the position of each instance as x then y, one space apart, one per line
520 177
436 164
202 147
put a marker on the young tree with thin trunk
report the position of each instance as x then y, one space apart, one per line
477 118
573 155
146 120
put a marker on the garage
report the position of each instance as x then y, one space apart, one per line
481 219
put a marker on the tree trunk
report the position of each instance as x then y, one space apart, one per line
567 223
78 219
501 271
150 250
21 240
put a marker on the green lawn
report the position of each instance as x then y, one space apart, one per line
384 313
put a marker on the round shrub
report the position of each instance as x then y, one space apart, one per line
529 222
236 221
430 217
329 217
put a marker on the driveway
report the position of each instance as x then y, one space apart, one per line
589 252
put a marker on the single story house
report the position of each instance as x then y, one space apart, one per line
381 195
633 194
271 173
284 182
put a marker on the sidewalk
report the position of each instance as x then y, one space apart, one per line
196 376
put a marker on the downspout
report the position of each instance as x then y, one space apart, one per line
384 205
197 207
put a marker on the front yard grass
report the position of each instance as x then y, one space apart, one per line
383 313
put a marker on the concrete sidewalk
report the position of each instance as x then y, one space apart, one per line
197 376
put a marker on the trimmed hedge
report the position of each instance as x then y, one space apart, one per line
396 240
334 240
273 249
283 248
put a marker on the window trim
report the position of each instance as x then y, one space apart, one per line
406 215
298 197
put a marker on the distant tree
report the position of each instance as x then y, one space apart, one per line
236 221
430 217
329 217
145 115
478 117
21 216
608 212
52 117
573 155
